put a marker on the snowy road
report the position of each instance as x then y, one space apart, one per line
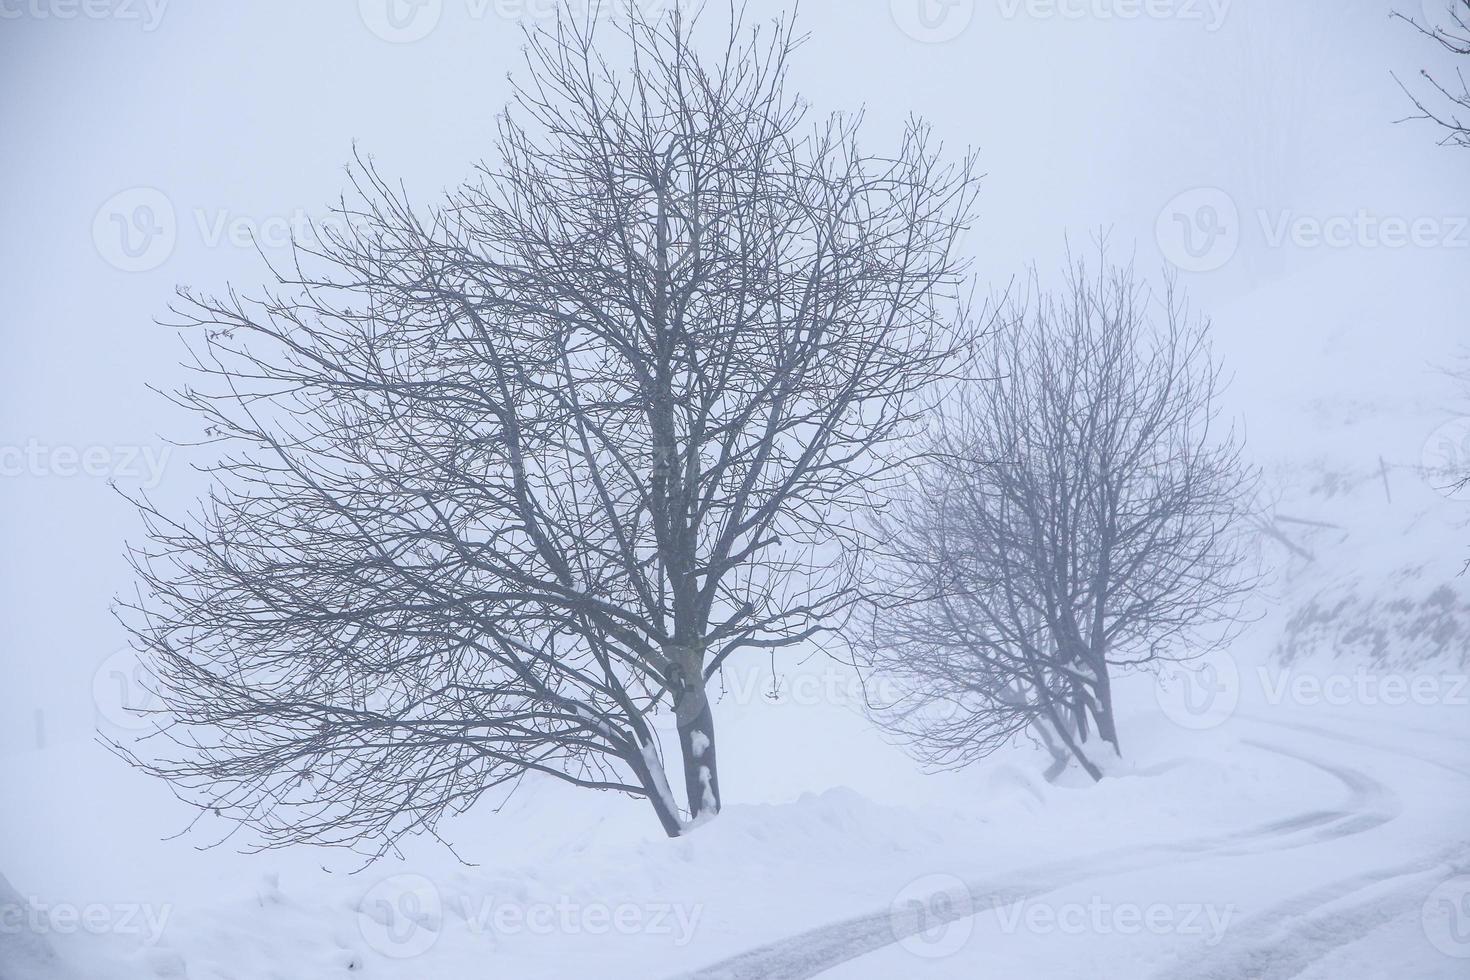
1268 901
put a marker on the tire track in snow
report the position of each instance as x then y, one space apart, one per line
1287 938
1282 941
1416 753
1369 804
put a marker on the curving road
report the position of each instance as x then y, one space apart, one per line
1279 941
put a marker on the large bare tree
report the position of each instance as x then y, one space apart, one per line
1077 514
502 480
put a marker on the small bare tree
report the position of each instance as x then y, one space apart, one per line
1076 515
1453 35
502 479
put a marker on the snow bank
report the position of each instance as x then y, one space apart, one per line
25 952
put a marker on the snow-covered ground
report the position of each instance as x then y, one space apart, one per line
1276 840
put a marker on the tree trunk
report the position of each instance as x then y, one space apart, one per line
1102 710
650 773
1064 732
697 746
1060 756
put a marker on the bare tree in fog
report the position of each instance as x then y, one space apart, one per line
502 478
1449 106
1079 514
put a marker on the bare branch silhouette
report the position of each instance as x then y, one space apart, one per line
1453 98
